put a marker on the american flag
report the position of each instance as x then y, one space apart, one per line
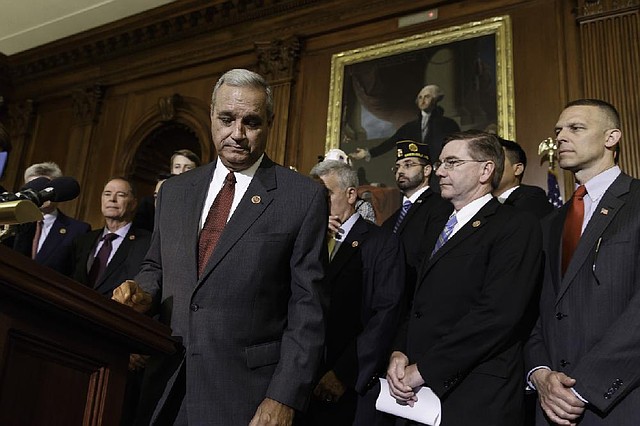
553 191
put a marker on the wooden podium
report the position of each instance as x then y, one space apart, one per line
64 349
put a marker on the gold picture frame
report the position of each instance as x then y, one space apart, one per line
373 88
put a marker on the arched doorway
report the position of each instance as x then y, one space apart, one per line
152 159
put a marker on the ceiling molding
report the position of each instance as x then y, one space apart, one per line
101 45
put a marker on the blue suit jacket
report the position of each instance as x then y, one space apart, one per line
56 249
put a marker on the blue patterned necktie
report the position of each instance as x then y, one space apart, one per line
405 208
445 234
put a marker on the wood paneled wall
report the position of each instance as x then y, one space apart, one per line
610 42
88 101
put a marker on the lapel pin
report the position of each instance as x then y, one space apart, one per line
132 237
63 230
256 199
354 244
476 224
604 211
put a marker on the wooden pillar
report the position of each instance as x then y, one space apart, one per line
277 62
22 119
86 112
609 31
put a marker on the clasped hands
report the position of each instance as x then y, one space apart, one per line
557 400
403 379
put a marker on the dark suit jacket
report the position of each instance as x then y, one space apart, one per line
366 278
252 325
465 330
532 199
424 220
124 265
589 325
56 249
440 127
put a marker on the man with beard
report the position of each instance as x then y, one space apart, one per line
430 127
422 209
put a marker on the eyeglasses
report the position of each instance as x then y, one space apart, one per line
449 164
406 166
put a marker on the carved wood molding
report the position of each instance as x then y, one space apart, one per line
86 104
167 106
277 59
593 9
21 118
212 16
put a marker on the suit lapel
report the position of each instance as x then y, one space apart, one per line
603 214
476 223
554 245
414 208
51 242
119 256
191 218
254 202
348 248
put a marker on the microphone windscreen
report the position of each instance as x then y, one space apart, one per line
37 184
66 188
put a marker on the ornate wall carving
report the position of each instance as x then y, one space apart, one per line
277 59
86 104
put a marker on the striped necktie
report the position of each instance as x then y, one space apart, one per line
405 208
445 234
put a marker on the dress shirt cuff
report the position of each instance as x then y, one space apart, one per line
530 385
579 396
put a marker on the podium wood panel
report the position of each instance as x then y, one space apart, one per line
64 348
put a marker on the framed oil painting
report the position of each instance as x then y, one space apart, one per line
374 89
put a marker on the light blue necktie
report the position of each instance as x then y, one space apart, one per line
445 234
405 208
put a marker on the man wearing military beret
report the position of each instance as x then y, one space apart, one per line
422 209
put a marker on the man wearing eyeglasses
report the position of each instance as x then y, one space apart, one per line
464 335
422 209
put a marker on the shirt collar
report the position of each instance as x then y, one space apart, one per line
346 226
415 195
122 232
246 174
597 185
503 197
467 212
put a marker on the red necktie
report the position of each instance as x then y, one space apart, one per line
572 226
99 264
36 239
216 221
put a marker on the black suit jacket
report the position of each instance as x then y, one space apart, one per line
532 199
465 330
439 128
124 265
366 279
424 220
589 325
56 249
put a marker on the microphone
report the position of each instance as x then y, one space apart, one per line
41 190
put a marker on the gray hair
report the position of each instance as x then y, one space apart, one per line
347 177
48 169
244 78
483 146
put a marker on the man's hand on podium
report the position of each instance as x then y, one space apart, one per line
131 294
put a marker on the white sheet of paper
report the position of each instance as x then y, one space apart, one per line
426 410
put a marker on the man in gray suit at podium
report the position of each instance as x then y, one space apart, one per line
236 268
